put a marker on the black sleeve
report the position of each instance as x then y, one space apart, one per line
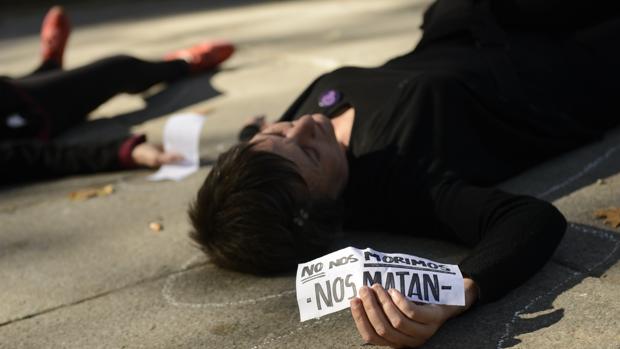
511 236
33 159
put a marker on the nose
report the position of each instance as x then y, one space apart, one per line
303 129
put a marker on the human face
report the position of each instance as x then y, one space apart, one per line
311 144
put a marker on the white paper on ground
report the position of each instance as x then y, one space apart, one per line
327 284
182 136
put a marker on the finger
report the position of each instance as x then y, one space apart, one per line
168 158
379 321
425 314
397 319
363 325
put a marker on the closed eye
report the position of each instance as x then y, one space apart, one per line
261 136
311 153
276 134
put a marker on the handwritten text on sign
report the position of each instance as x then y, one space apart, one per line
327 284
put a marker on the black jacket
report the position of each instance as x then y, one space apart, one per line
481 98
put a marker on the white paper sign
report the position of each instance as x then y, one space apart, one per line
327 284
182 136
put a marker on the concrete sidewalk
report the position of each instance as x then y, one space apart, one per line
92 275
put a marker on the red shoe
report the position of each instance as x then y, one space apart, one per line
55 32
203 56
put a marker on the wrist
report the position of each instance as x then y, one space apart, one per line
125 152
471 296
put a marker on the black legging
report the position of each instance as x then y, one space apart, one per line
68 96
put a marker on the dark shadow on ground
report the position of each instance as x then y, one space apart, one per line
107 11
584 252
173 97
349 31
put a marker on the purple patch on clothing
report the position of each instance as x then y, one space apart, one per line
329 98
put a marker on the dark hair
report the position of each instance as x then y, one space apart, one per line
255 213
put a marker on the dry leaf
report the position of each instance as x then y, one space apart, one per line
611 216
156 227
88 193
105 190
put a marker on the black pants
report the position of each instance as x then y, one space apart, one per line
68 96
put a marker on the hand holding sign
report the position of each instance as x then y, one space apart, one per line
360 278
325 285
182 137
388 318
